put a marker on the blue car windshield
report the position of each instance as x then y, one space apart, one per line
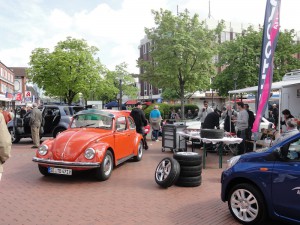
92 120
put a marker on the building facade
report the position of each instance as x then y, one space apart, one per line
6 84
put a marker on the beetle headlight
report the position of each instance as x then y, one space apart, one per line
43 150
231 162
89 153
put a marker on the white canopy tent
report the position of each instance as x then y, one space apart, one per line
289 95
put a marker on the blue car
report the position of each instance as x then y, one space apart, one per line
264 184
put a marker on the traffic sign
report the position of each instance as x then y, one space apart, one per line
27 94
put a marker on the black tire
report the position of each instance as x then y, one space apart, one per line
167 172
139 155
189 181
14 138
44 170
250 193
188 158
212 133
58 131
106 167
190 171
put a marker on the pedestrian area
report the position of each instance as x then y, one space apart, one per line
130 196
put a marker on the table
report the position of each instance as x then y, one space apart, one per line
224 140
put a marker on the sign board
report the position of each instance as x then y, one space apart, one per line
27 94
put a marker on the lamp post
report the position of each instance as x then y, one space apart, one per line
120 100
235 79
212 92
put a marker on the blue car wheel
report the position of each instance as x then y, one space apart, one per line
246 204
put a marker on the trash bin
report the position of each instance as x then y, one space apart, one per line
172 140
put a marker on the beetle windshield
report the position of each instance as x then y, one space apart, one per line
92 120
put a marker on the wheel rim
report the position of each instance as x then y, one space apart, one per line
244 205
163 170
12 135
187 153
140 150
107 165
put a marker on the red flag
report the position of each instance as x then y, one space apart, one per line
270 37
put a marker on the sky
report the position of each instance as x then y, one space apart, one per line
115 27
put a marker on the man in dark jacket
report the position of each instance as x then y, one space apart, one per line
140 121
212 120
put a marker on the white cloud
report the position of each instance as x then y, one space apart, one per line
116 31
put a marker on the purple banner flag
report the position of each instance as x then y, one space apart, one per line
269 41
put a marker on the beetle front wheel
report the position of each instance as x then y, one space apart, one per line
106 167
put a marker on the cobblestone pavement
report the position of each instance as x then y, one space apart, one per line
130 196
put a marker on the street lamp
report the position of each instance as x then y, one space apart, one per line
212 91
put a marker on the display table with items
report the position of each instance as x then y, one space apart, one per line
220 141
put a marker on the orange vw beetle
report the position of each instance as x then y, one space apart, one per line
96 140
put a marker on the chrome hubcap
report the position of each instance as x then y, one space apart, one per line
163 170
244 205
107 165
140 150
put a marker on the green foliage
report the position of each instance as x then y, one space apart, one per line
181 53
240 59
111 85
70 69
165 109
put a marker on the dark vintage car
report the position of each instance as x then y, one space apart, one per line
56 118
96 140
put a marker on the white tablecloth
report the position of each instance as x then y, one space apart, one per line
225 140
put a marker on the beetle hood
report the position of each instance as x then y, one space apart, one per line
71 143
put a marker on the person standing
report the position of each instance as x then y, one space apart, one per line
196 113
228 115
189 115
6 114
242 126
203 113
35 125
155 120
275 114
140 121
286 115
251 119
212 120
5 143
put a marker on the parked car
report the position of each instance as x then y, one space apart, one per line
56 118
96 140
266 183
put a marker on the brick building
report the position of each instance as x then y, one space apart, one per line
6 84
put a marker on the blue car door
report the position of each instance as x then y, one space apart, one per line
286 183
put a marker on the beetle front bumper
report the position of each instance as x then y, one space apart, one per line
60 163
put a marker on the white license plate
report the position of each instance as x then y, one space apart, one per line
60 171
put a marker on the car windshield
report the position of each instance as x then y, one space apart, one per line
92 120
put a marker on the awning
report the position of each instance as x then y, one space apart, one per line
131 102
275 86
3 99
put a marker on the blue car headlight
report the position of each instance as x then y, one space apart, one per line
231 162
43 150
89 153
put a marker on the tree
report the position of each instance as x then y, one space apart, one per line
240 59
110 86
70 69
181 53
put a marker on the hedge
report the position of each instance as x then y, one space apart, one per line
165 109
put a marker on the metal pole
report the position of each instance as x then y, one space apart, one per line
234 106
120 102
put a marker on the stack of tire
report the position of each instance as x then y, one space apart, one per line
190 169
184 169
